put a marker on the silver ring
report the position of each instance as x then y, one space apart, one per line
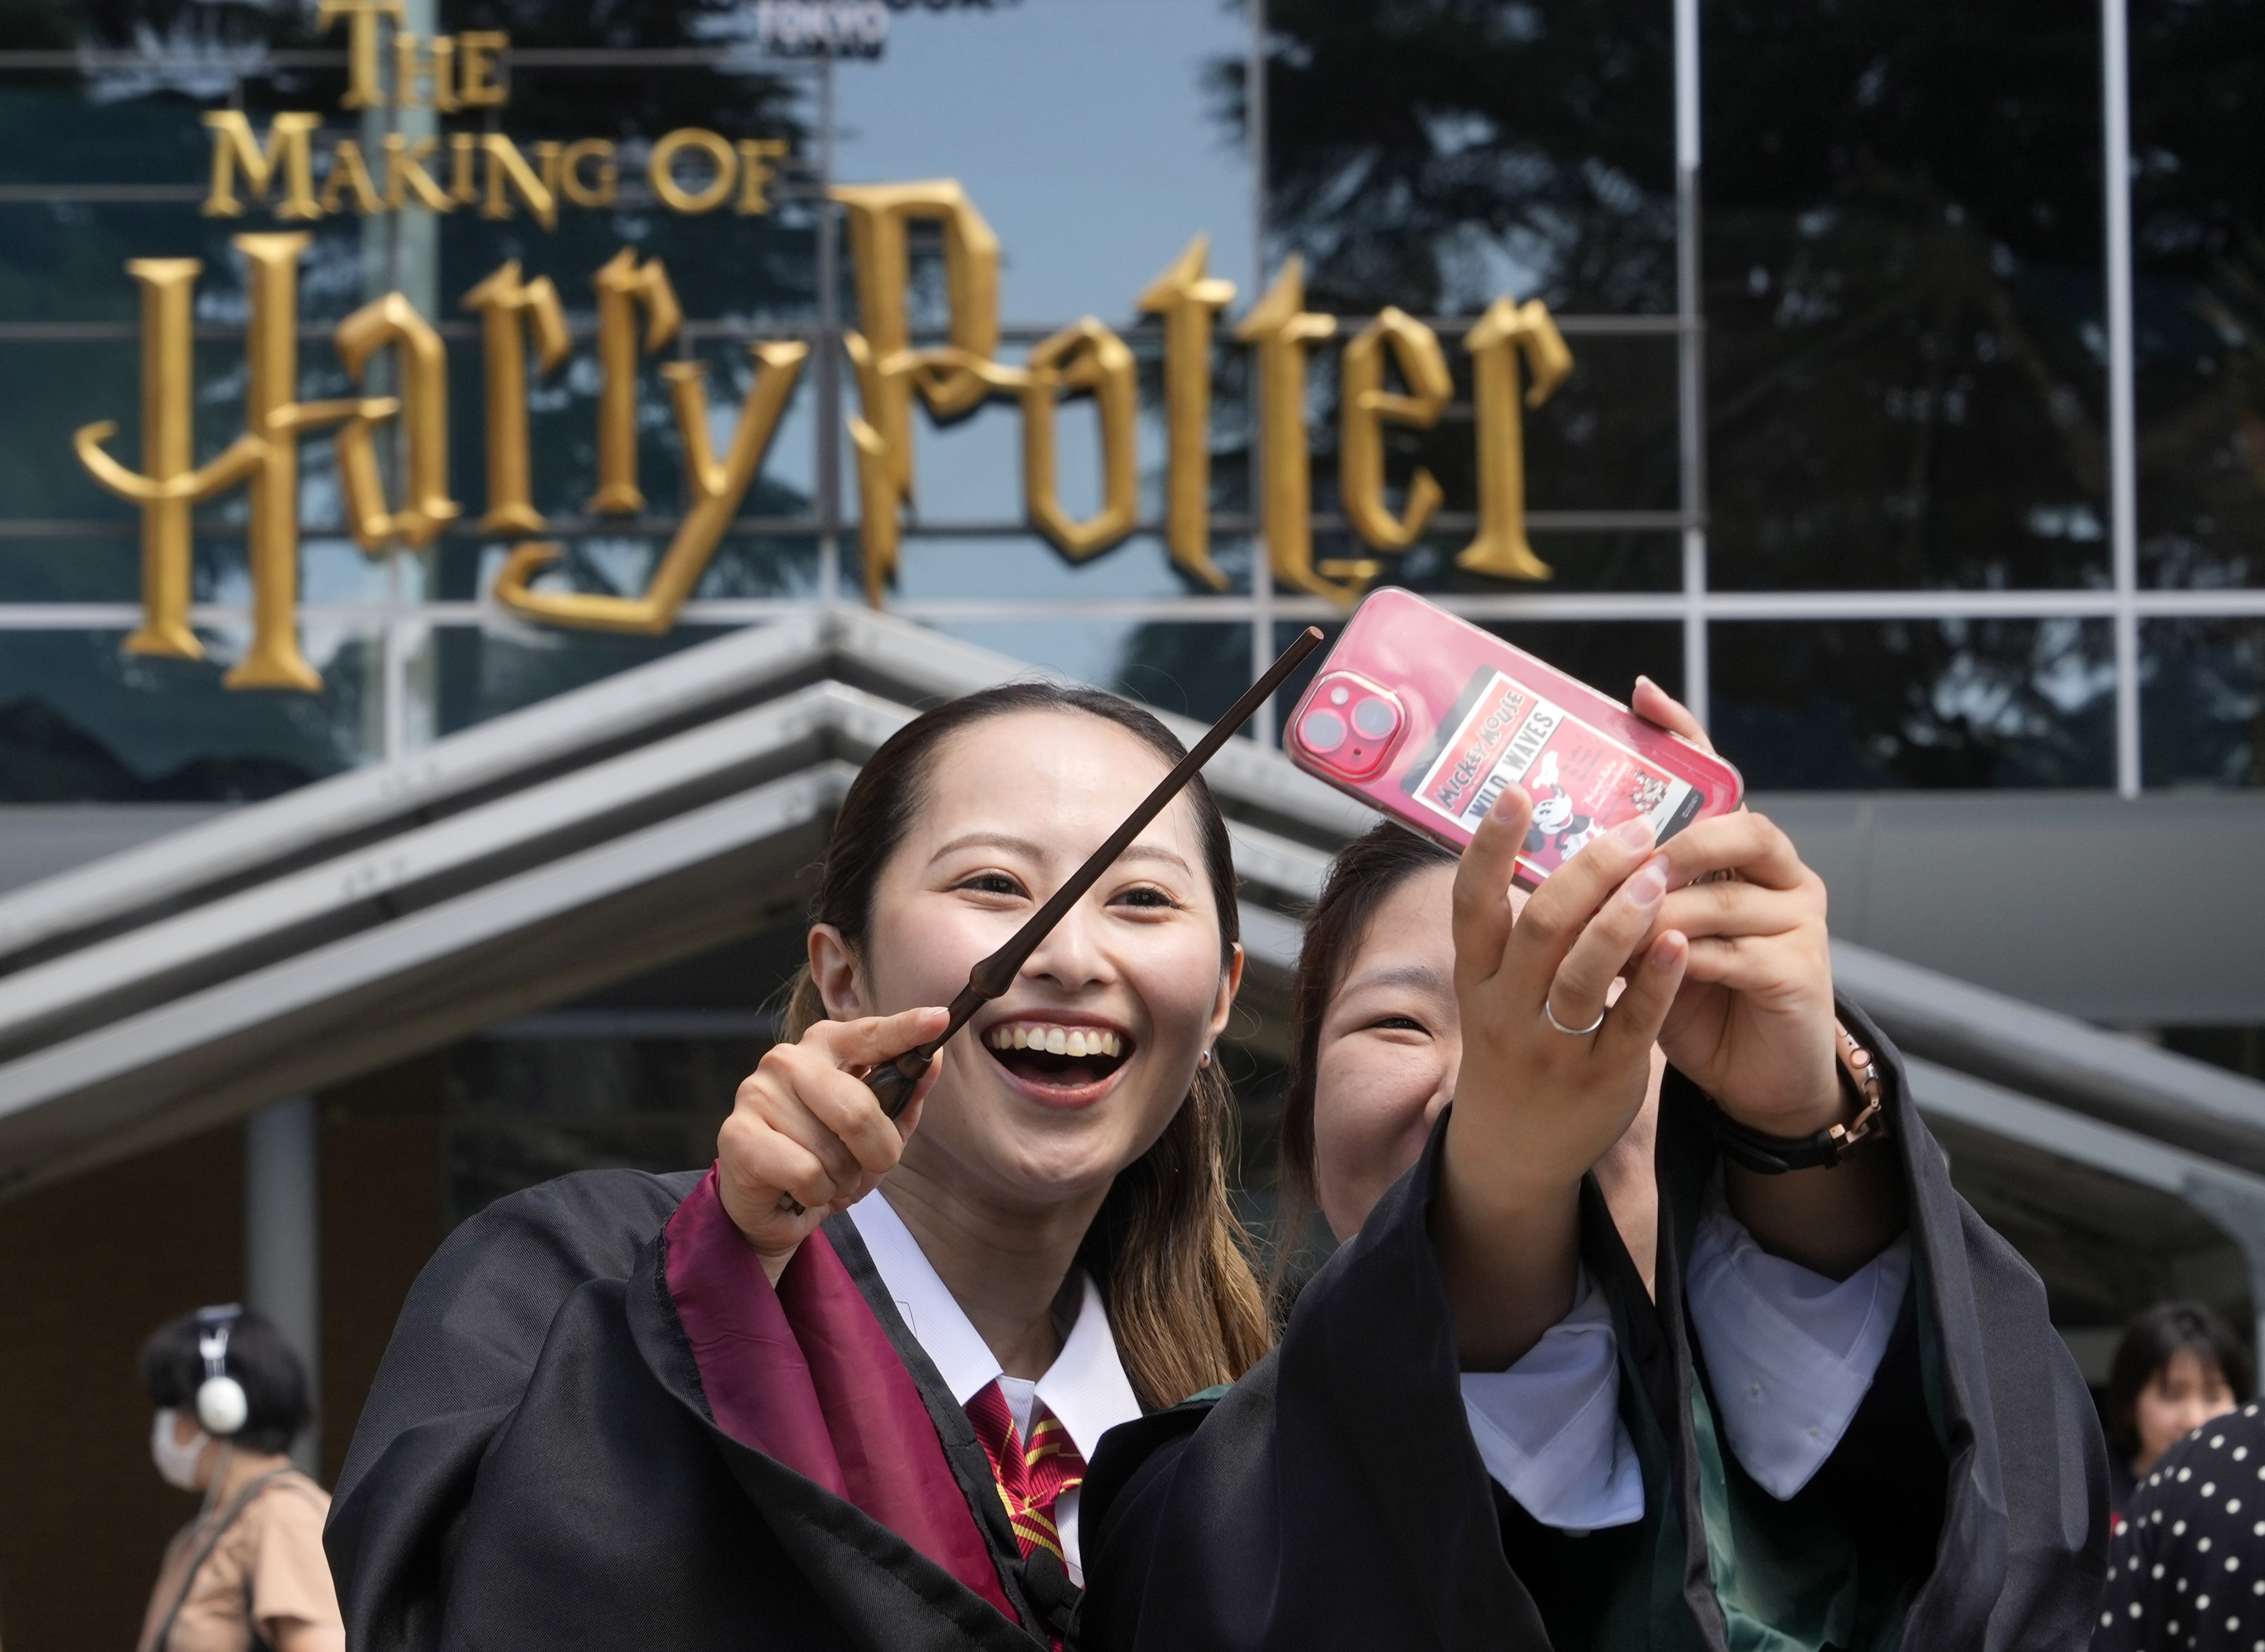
1571 1032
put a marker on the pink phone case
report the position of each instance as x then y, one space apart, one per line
1427 718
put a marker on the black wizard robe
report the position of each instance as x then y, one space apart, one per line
598 1425
1333 1499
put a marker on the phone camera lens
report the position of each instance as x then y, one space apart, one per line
1322 731
1375 717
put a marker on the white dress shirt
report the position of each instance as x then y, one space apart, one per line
1085 1389
1792 1352
1548 1428
1792 1355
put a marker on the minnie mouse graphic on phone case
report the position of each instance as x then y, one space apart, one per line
1428 718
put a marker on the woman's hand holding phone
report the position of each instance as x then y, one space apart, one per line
805 1128
1752 1024
1549 1079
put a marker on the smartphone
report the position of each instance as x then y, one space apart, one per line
1428 718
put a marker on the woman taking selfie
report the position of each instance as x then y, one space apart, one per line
1784 1392
754 1407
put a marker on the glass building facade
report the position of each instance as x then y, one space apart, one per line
1888 437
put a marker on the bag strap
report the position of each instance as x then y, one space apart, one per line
282 1480
220 1527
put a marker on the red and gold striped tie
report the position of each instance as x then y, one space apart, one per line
1029 1477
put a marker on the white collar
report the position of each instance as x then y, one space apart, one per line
1085 1388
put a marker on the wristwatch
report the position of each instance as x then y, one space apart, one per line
1773 1156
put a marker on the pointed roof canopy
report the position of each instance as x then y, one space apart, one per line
648 818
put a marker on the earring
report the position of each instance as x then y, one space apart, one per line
1204 1060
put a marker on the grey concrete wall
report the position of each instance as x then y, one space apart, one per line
39 840
2150 912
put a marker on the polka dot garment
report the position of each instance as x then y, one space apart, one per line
2188 1567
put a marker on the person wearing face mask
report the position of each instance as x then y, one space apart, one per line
764 1404
249 1571
1621 1348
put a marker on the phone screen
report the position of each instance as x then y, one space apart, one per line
1429 718
1583 782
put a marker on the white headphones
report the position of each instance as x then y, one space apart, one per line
221 1405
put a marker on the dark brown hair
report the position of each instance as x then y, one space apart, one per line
2155 1335
275 1382
1361 879
1170 1257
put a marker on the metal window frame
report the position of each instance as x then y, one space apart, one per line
399 623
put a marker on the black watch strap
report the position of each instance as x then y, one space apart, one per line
1774 1156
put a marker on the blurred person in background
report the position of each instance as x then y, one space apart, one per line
249 1571
2178 1367
2186 1571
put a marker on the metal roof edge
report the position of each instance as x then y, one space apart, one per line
2112 1149
122 1061
1948 1020
178 952
2057 1057
514 743
865 649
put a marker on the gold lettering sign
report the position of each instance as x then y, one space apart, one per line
717 490
1086 358
1188 300
759 160
1282 329
350 177
723 162
478 87
434 62
509 308
1502 335
598 188
405 174
509 175
640 314
423 371
951 380
583 173
169 486
286 158
361 17
624 286
265 458
1368 408
430 62
451 74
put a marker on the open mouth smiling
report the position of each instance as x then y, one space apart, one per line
1062 1061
